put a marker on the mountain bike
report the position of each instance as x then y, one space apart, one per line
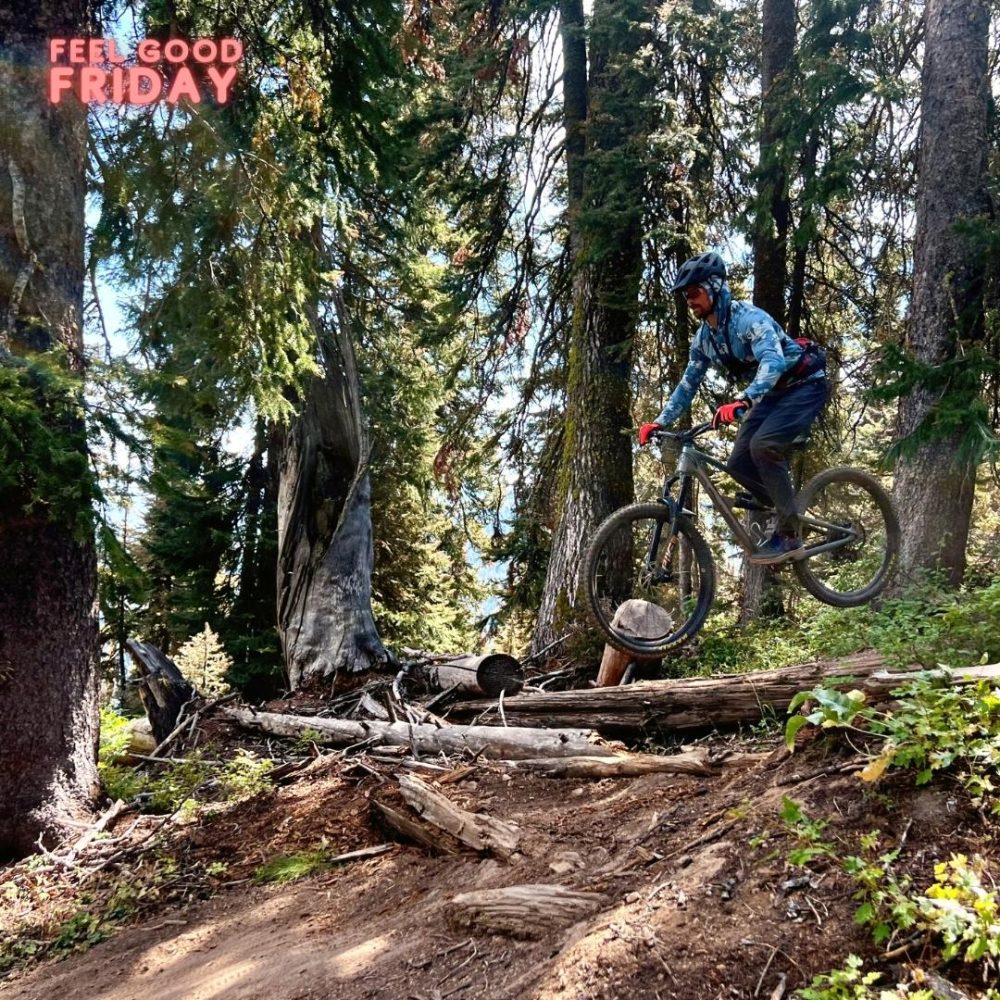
655 552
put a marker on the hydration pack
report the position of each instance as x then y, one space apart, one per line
812 360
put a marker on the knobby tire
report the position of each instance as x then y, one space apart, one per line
651 649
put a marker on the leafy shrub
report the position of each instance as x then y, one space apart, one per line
958 909
852 983
930 625
176 782
934 725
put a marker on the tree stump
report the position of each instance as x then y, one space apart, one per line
636 618
162 687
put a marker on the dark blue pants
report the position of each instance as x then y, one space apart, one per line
760 456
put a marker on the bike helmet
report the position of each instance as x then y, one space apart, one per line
698 270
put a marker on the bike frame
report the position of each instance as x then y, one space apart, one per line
693 465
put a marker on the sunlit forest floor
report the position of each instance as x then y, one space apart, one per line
702 891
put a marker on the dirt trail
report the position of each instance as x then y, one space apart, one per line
691 911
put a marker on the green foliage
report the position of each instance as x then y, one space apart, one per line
44 468
884 898
958 908
761 646
79 933
245 775
934 725
929 625
290 867
204 662
852 983
963 912
847 983
807 831
176 784
188 533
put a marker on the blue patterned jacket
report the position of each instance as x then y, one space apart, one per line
752 338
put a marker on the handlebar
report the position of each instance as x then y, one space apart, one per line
687 437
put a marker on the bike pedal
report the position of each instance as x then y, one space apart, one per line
744 501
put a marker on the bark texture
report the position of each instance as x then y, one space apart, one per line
522 911
502 742
760 594
770 243
163 688
595 475
48 620
933 485
324 527
689 703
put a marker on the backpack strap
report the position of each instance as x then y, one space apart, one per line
813 358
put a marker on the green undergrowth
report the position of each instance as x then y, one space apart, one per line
196 779
49 910
933 724
291 867
48 914
954 917
932 727
929 625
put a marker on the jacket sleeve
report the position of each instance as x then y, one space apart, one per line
683 395
765 342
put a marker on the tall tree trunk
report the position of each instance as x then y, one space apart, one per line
574 50
48 575
595 475
770 242
324 526
760 593
797 292
934 486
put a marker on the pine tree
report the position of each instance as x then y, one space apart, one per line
48 627
205 663
942 416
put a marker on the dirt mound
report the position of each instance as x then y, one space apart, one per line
697 900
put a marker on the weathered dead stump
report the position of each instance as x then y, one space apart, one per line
162 687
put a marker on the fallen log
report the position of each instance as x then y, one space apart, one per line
704 702
476 830
490 674
632 766
423 834
503 742
162 687
523 911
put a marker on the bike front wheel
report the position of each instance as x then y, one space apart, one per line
851 536
634 556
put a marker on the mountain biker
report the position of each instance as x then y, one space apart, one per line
786 394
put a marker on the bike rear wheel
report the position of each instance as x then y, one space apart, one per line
848 517
634 556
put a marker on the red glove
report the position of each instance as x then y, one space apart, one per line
645 431
729 412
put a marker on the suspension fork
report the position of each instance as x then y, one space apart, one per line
676 509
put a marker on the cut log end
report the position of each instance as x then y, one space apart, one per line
639 619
